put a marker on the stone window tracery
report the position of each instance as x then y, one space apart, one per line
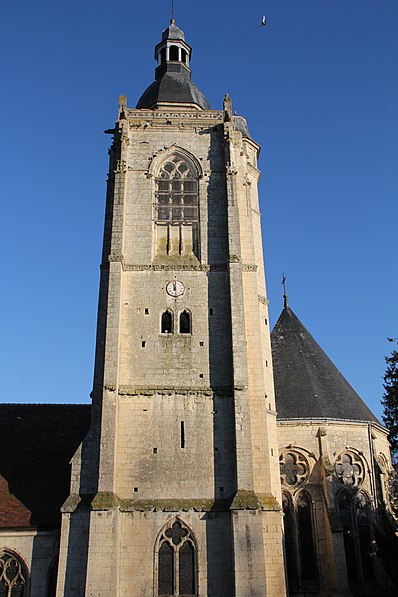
293 468
349 469
12 576
177 208
176 562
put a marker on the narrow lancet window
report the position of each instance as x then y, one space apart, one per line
167 322
347 522
309 569
185 322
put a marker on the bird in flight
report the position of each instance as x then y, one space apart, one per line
263 21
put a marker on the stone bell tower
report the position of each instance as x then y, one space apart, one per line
175 490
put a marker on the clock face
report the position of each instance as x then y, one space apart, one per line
175 288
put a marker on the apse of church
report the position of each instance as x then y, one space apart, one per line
182 481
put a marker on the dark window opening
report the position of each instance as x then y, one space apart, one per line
143 343
155 450
201 343
185 322
135 489
346 517
187 569
146 311
182 435
362 510
184 56
167 322
166 570
52 579
266 321
309 571
291 562
173 55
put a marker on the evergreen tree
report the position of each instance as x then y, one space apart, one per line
390 400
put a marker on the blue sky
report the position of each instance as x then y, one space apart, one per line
319 88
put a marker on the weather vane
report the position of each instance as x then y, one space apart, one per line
172 10
284 290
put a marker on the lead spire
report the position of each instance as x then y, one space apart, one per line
172 21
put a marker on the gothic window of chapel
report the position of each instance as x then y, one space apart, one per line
300 551
176 562
13 577
177 209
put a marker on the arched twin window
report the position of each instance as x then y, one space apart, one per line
13 576
177 208
176 562
184 320
301 561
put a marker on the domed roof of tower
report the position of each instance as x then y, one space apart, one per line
172 75
173 32
307 383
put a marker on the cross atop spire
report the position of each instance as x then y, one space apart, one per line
285 304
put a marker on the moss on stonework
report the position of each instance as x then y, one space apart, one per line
168 505
105 500
243 500
249 500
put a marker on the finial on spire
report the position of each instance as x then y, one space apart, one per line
284 290
172 20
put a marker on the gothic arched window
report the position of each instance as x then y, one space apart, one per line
176 563
301 559
185 322
167 324
177 208
52 579
362 511
346 511
308 568
290 543
13 577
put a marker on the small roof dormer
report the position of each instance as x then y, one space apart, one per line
173 74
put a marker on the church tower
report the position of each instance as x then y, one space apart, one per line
176 490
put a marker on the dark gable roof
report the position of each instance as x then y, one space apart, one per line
37 444
307 384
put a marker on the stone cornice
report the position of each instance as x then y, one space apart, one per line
103 501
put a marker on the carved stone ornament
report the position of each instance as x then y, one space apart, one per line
121 167
294 468
349 469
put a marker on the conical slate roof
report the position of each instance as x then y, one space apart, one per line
307 383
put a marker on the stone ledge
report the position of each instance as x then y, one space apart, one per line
243 500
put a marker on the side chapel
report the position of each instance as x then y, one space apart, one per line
217 459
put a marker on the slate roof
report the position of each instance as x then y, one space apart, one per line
37 444
173 87
307 383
